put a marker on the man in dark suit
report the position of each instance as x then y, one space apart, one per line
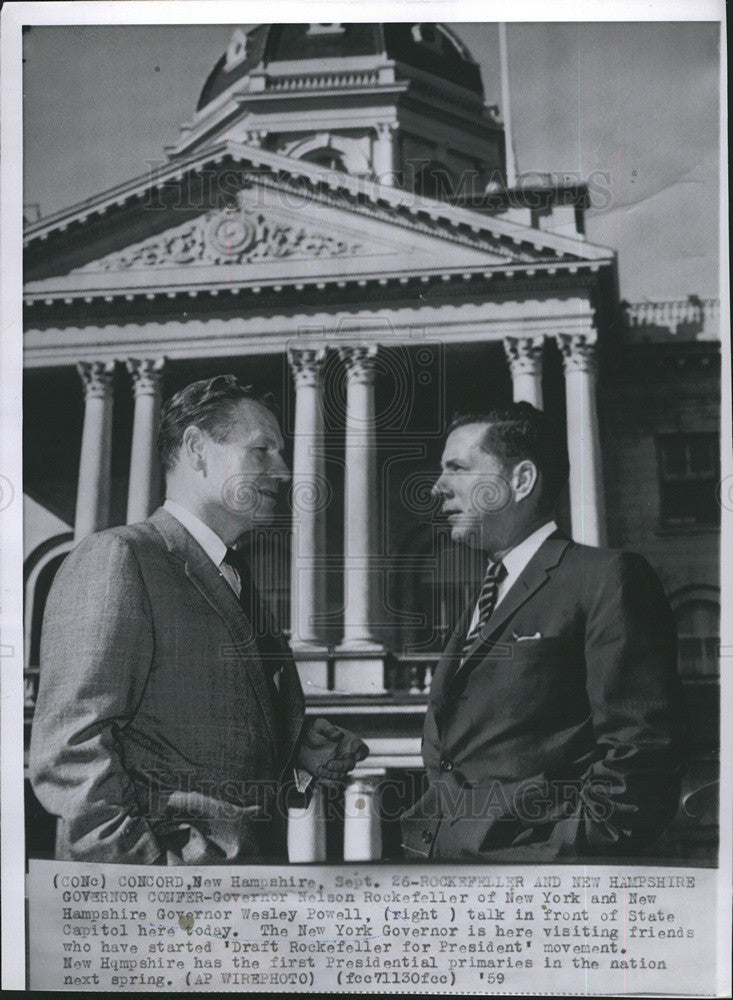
554 727
170 717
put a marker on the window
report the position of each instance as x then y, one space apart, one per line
432 180
329 158
689 471
698 632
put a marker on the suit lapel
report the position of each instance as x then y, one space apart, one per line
212 586
448 663
292 695
534 575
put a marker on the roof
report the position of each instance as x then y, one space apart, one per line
352 192
432 48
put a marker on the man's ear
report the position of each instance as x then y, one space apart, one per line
524 478
193 448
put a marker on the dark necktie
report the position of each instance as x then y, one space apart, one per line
259 618
486 602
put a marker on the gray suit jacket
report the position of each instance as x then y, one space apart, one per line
562 733
154 734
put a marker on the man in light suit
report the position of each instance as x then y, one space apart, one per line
554 727
170 717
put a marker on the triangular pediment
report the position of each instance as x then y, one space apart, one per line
273 229
260 232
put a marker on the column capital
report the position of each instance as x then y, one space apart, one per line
386 128
255 137
146 375
97 378
578 352
523 354
360 362
306 364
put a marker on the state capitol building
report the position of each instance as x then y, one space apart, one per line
336 224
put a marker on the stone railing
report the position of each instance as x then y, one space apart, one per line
685 319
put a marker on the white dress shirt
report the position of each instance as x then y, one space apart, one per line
515 561
209 541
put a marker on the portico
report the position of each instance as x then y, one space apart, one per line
279 243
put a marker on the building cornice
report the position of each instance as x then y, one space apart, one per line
234 326
362 192
181 282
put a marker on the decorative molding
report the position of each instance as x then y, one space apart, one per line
256 136
237 48
97 378
539 279
270 330
335 80
386 128
146 374
306 364
681 319
429 222
231 236
578 353
360 362
524 355
351 192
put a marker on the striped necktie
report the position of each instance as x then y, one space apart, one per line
486 602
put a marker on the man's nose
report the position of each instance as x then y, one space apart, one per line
280 472
438 489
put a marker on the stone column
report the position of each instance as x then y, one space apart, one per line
524 356
307 829
95 469
360 672
310 496
383 157
362 821
587 502
142 495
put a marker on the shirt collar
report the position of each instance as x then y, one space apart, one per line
209 541
517 558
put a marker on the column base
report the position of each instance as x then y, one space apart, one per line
359 668
311 660
362 819
307 830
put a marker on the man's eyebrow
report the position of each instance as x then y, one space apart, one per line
263 437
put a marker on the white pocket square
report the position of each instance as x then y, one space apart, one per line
525 638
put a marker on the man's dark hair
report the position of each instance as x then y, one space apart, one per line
521 431
209 404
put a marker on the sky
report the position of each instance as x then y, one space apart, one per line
632 108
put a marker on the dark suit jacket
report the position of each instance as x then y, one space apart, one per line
562 733
154 734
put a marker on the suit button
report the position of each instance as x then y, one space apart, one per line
446 765
426 836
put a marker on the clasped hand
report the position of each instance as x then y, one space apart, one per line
328 752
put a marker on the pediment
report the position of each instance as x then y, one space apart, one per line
262 235
245 234
271 229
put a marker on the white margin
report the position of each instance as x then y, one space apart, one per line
725 869
12 838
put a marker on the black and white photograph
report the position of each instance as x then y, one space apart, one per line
375 452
